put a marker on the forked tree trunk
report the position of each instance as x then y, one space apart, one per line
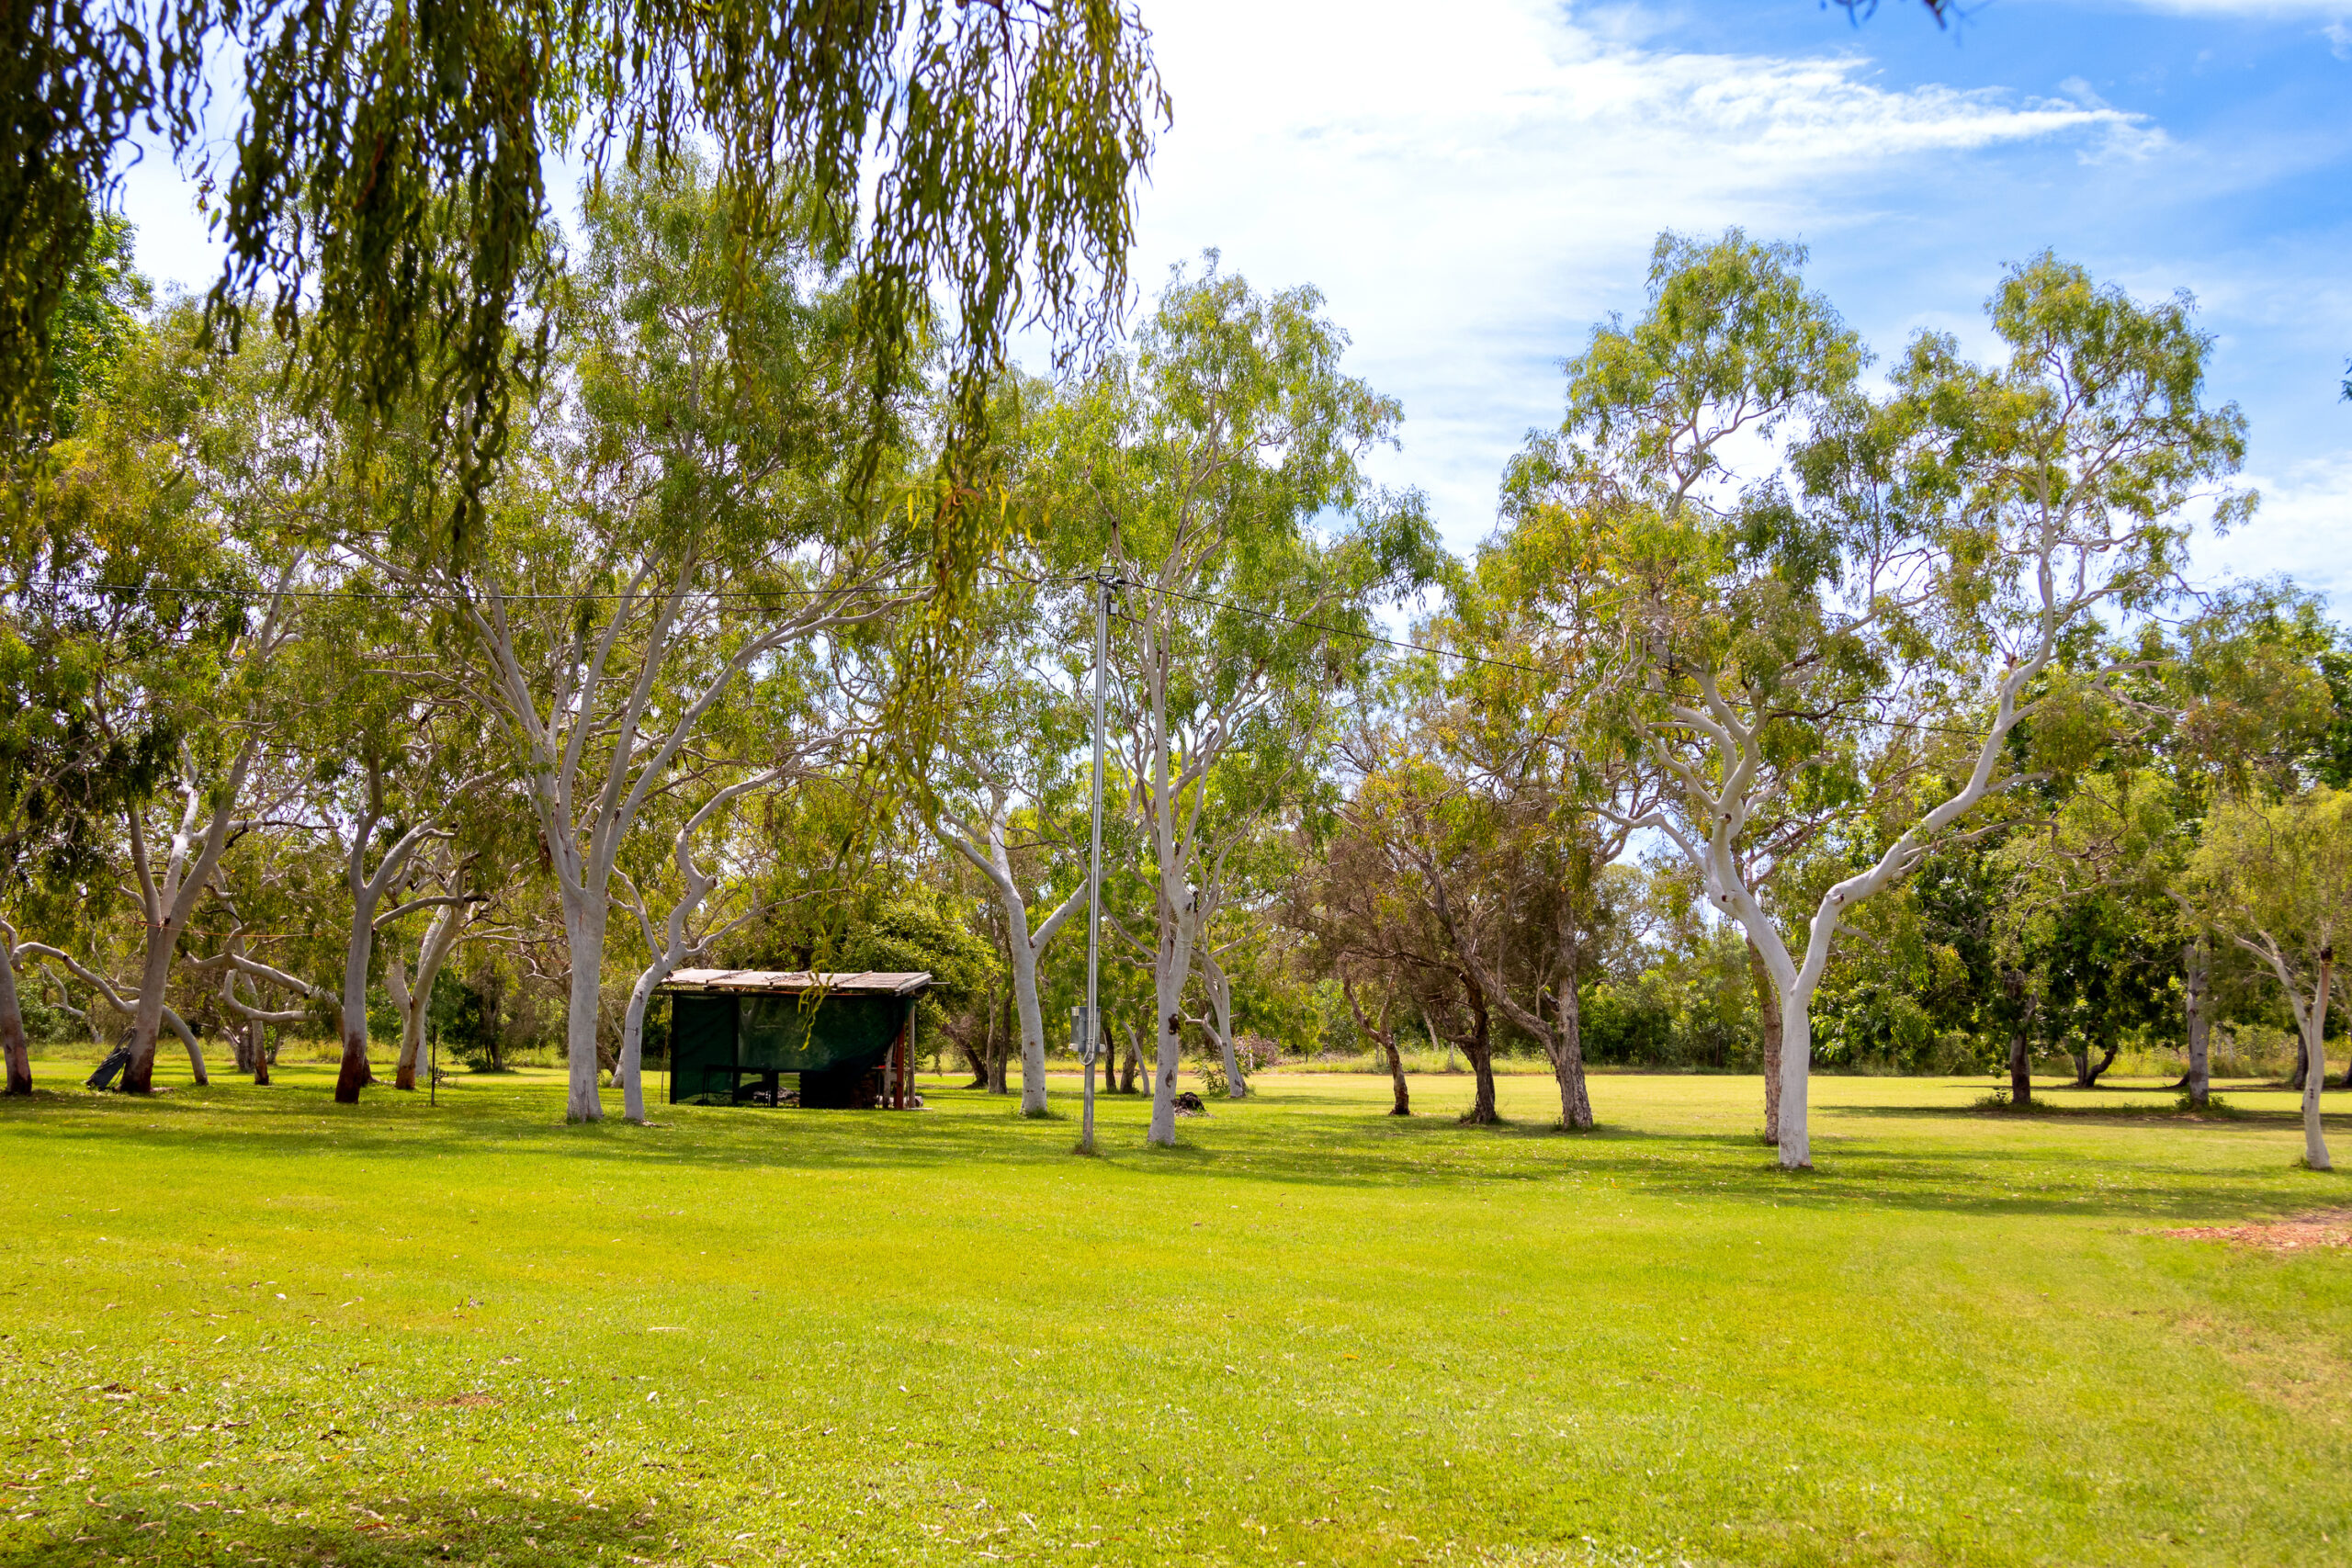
1134 1065
2085 1073
1768 1013
983 844
257 1032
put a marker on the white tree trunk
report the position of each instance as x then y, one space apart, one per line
1033 1025
584 933
995 862
1221 1005
12 1049
630 1069
1170 975
1796 1058
414 999
359 954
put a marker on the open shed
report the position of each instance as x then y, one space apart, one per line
847 1037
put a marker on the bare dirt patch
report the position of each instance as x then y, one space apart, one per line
2325 1228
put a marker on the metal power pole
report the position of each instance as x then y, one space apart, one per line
1094 1021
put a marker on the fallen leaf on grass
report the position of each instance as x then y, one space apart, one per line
2324 1227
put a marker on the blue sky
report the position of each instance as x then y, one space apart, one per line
1473 186
1473 193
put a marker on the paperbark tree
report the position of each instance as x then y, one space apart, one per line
1372 909
1384 1036
2278 879
1888 635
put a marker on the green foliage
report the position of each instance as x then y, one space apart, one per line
928 927
94 322
465 1021
384 189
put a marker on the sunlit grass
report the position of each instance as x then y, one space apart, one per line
246 1325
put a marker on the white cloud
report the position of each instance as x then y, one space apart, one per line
2299 530
1470 196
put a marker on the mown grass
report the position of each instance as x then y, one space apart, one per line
242 1325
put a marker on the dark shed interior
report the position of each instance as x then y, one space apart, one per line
845 1038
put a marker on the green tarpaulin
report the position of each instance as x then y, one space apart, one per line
727 1043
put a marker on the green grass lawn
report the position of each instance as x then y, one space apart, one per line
243 1326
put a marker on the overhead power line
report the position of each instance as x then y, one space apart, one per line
1068 580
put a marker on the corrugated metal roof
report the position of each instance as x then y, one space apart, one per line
793 982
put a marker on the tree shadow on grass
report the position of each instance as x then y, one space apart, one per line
354 1529
1331 1149
2116 1116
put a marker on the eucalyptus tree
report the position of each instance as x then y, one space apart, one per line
1004 789
2278 878
180 521
691 511
278 902
377 175
1193 472
391 759
1915 630
1517 847
1731 352
101 504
